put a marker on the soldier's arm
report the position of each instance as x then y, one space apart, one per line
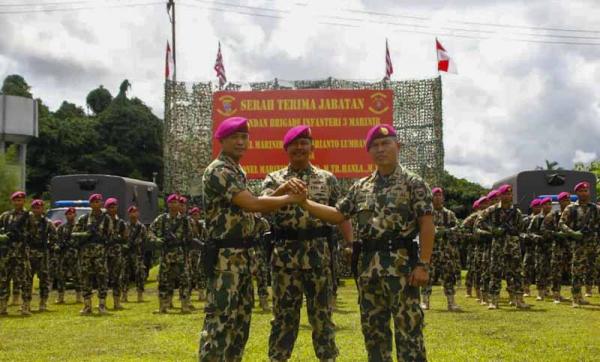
482 224
565 221
324 212
154 229
264 204
426 236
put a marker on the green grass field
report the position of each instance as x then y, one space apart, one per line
545 333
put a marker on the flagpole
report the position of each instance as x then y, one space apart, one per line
171 5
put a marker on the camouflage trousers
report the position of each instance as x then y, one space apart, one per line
591 255
543 259
69 269
470 277
457 262
228 311
53 268
260 270
560 263
580 263
477 265
38 259
134 267
529 262
198 279
443 267
505 262
115 264
93 265
289 287
173 273
485 267
17 267
385 297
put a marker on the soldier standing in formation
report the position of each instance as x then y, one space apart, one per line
486 240
529 248
137 236
172 232
15 226
69 258
580 220
392 206
443 261
196 273
301 258
561 251
230 229
473 275
116 243
543 248
96 228
42 231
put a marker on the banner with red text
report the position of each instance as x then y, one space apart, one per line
339 121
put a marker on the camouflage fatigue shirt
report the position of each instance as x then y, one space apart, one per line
63 236
116 231
223 178
387 207
7 219
576 217
137 235
43 233
323 188
165 224
101 220
497 217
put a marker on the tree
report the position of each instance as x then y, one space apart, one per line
550 166
460 193
15 85
8 182
99 99
69 110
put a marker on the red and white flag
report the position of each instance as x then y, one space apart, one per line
445 63
169 64
220 68
389 68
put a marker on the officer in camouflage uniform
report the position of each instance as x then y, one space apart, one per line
69 258
392 206
529 248
116 244
197 275
93 230
230 228
504 222
15 227
137 236
39 243
172 232
543 248
580 220
472 278
561 259
301 258
486 239
443 261
259 263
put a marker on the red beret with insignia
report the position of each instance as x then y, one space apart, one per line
230 126
379 131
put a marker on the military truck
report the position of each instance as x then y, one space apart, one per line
528 185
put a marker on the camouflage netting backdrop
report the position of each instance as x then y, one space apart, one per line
188 126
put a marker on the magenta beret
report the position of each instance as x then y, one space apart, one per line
535 202
492 194
37 202
194 210
379 131
504 189
436 190
545 200
302 131
110 201
476 204
17 194
563 195
230 126
131 209
70 210
95 197
582 185
172 198
183 199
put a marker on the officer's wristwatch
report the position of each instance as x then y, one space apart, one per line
424 265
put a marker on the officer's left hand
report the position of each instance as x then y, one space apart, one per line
418 277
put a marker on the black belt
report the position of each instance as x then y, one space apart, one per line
386 245
302 234
234 243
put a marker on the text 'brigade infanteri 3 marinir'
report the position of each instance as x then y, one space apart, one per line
580 221
171 232
39 241
69 258
228 207
15 228
301 259
137 236
392 206
443 262
504 222
93 229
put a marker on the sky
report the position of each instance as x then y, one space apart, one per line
523 93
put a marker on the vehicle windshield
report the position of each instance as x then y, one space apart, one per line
59 213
